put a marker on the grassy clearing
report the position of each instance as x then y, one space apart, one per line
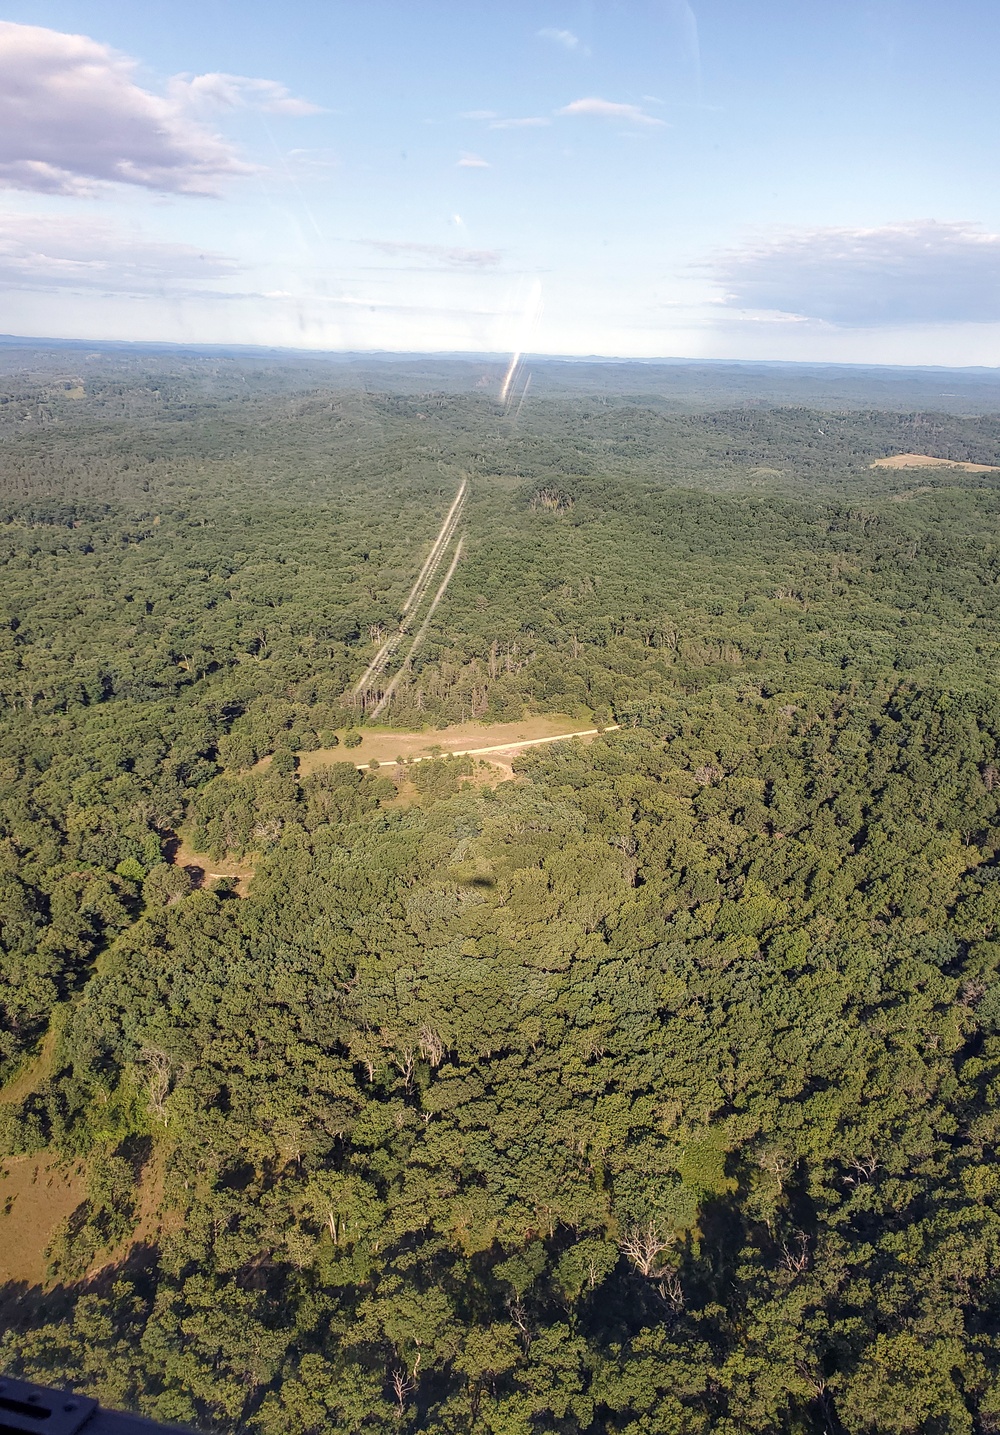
33 1072
385 745
237 869
926 460
36 1193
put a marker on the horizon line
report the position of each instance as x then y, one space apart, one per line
469 355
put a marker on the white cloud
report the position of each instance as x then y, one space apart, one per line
909 273
472 161
566 38
609 110
77 252
73 119
239 92
311 163
530 122
453 257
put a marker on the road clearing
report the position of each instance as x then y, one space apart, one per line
421 634
416 597
388 746
507 746
926 460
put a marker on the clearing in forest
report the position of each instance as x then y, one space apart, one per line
375 687
385 746
33 1073
926 460
182 854
36 1193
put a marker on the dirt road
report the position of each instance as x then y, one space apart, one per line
507 746
421 633
388 744
417 594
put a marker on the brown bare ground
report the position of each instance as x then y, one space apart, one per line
184 855
36 1193
926 460
151 1220
385 745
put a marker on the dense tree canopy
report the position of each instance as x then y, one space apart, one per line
653 1091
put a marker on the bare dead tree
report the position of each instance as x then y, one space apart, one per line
628 847
778 1164
643 1245
821 1393
672 1291
431 1046
864 1168
159 1080
519 1316
403 1385
795 1253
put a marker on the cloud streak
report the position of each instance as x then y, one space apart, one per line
471 161
530 122
73 120
220 91
910 273
565 38
80 253
453 257
594 106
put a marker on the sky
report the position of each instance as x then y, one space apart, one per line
810 180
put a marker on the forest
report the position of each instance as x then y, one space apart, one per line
653 1091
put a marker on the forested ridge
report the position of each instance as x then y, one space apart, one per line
652 1091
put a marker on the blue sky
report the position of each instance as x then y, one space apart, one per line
781 179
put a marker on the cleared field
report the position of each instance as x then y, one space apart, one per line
35 1195
926 460
182 854
385 745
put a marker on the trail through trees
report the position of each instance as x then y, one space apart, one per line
372 691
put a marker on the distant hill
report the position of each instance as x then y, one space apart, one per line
678 385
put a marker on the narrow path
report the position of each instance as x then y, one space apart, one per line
423 578
421 632
502 747
417 592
